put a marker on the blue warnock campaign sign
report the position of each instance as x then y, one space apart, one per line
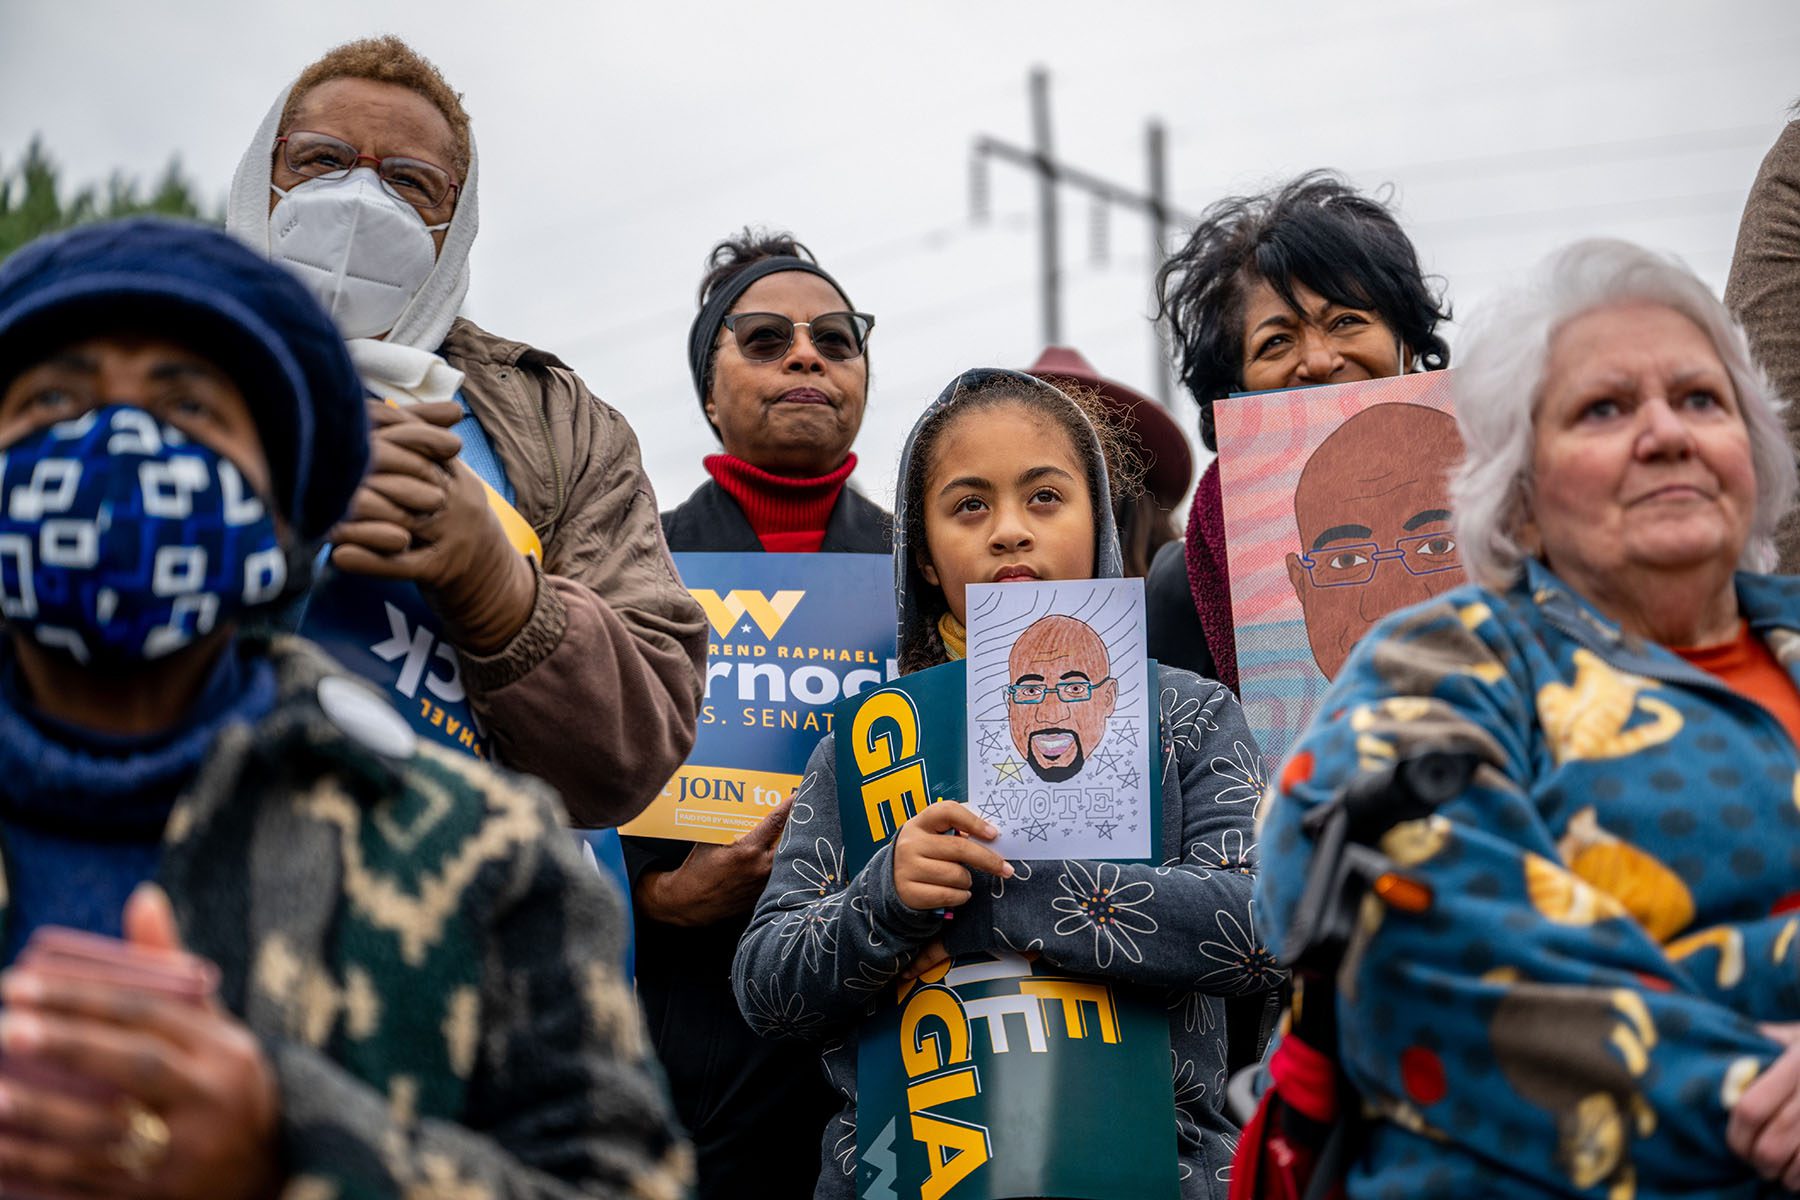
789 635
385 632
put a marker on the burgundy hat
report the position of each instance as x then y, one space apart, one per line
1169 463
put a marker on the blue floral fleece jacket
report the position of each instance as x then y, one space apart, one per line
821 947
1616 901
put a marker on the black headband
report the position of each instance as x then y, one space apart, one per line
711 317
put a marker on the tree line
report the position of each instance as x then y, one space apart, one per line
32 201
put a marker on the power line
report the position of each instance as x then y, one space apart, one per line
1662 145
940 238
1053 173
1620 69
754 167
1346 39
1487 224
935 239
941 310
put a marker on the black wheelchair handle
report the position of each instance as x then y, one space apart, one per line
1345 829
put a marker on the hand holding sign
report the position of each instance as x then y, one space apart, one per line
929 958
715 882
933 871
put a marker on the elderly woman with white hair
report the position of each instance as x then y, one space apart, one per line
1589 996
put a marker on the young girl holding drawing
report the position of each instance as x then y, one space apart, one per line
1006 477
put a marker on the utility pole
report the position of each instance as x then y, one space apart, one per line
1049 233
1040 160
1155 145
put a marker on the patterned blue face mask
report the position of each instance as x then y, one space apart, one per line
122 541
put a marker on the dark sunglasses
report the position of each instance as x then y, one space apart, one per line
765 337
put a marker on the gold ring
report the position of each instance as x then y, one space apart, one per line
145 1144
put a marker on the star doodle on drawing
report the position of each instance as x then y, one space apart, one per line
1126 732
993 810
990 740
1107 761
1037 831
1104 830
1012 769
1128 780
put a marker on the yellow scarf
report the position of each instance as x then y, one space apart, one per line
952 631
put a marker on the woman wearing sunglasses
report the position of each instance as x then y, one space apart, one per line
778 357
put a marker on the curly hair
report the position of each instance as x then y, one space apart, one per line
747 246
1314 230
1124 473
387 59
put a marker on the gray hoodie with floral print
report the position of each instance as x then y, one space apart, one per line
821 947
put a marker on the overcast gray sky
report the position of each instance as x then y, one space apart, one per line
618 141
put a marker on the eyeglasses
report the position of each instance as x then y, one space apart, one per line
321 156
1348 566
1070 691
765 337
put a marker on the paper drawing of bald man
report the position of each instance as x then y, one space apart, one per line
1373 511
1061 696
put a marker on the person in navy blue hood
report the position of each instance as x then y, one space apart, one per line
180 429
301 923
1006 477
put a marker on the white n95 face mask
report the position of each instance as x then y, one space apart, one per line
363 252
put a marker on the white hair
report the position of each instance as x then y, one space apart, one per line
1499 381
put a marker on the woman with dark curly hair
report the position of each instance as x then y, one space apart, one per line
1309 284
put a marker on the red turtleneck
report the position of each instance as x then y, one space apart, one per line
788 515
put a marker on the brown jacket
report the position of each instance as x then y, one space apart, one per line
599 692
1764 292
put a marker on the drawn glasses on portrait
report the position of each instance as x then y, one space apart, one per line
1349 566
1069 691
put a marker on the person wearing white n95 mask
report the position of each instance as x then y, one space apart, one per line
501 574
362 250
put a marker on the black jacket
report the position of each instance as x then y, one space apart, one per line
1172 631
756 1109
1174 638
710 520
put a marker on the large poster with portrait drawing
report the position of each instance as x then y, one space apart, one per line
1337 512
1060 721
